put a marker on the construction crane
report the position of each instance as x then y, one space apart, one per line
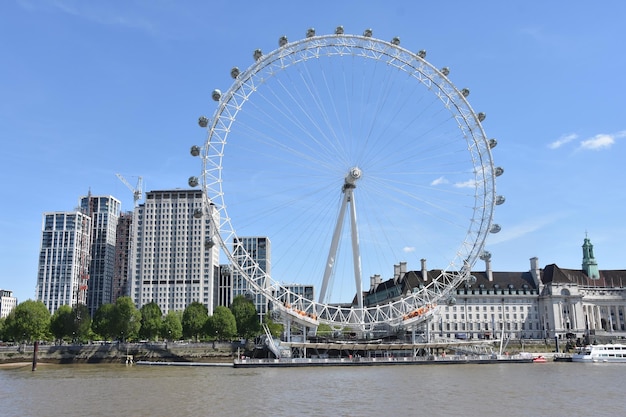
137 190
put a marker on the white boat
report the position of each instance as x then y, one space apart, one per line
601 353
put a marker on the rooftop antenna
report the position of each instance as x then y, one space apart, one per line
137 190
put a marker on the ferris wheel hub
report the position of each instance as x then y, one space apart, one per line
354 174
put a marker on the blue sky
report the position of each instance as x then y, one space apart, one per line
90 89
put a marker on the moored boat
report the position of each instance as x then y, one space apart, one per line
601 353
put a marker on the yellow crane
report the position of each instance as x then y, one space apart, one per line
137 190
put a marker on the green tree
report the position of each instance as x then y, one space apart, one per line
194 319
151 321
81 322
62 323
28 321
222 324
172 327
3 328
104 321
246 317
127 319
276 329
324 330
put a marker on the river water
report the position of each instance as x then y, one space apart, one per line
550 389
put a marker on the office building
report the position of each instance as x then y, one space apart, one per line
254 257
122 263
296 291
224 286
7 302
176 260
104 212
64 258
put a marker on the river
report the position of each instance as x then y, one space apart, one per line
550 389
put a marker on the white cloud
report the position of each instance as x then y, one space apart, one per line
440 180
408 249
602 141
467 184
563 140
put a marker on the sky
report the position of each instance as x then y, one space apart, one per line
91 89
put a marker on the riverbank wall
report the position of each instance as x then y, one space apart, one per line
123 352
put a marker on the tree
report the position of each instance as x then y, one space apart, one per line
28 321
172 327
221 324
276 329
62 323
324 330
246 317
104 321
81 322
151 321
194 318
127 319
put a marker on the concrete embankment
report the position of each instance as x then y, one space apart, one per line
121 352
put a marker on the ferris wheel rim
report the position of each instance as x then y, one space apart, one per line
288 54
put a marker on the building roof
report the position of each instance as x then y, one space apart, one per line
516 280
608 278
508 280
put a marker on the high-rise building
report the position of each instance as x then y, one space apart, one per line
104 212
176 259
64 259
123 249
306 291
7 302
255 254
224 286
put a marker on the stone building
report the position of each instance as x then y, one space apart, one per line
552 302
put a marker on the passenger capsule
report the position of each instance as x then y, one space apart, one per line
465 92
310 33
500 200
209 243
282 41
203 121
195 150
216 95
422 54
445 71
368 33
339 30
257 54
471 279
197 213
495 228
493 143
395 41
481 116
451 301
234 73
193 181
499 171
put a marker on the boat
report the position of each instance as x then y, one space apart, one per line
601 353
539 359
378 361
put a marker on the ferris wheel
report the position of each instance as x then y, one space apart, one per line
356 157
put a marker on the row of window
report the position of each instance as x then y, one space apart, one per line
487 326
496 307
